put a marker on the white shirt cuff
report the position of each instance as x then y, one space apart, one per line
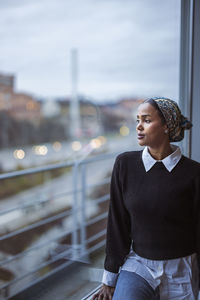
109 278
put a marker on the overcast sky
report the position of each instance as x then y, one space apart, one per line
125 47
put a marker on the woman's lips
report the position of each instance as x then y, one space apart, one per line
140 136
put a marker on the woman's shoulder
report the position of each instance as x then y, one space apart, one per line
191 162
129 156
191 165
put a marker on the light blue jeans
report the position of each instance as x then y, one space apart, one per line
131 286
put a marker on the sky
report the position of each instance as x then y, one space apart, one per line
126 48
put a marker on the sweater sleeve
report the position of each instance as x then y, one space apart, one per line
197 212
118 240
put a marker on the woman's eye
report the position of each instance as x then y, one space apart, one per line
137 121
148 121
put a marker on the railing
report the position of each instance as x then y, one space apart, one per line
92 293
77 250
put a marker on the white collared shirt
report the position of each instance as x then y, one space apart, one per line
169 162
153 270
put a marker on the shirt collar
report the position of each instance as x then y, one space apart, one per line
169 162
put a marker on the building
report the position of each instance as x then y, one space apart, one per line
24 107
6 83
20 106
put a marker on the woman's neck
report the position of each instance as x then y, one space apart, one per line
161 152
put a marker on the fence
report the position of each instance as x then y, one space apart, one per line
61 255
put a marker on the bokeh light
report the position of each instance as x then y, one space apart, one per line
57 146
124 130
95 143
102 139
40 150
19 154
76 145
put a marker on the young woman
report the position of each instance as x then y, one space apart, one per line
153 231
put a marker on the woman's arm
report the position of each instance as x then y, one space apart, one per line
118 239
197 214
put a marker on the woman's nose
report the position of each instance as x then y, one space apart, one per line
139 126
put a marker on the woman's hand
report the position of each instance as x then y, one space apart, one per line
105 293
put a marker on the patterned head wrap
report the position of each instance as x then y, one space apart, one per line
175 121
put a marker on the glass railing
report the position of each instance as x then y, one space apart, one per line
50 226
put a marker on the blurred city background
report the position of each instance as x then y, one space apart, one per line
72 74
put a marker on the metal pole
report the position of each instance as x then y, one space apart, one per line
195 104
74 105
83 210
75 245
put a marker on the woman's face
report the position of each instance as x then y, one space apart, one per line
150 130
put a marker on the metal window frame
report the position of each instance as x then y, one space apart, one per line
189 85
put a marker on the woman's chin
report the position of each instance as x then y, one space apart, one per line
141 142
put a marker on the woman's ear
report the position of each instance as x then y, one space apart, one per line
166 130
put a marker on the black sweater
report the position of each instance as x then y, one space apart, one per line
156 212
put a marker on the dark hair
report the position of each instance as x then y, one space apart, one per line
155 105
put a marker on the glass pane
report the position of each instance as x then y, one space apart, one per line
72 75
